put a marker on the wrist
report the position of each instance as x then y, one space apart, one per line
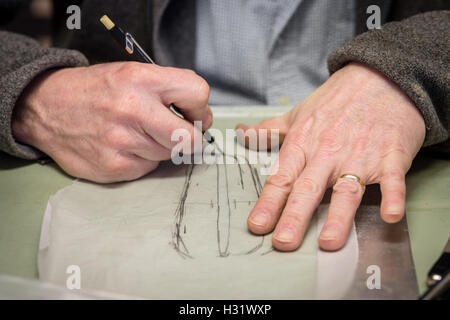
27 121
375 89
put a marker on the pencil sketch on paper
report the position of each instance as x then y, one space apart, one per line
222 205
178 233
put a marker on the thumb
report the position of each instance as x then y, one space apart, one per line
244 132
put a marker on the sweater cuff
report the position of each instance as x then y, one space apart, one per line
13 85
392 52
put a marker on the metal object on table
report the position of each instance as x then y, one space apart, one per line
439 290
441 267
385 246
438 279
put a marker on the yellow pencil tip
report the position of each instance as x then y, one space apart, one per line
107 22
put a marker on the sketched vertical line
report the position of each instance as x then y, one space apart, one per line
218 208
240 174
258 180
256 183
220 232
177 238
229 210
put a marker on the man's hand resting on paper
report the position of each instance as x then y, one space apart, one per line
358 122
110 122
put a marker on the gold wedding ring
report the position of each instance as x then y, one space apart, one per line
353 177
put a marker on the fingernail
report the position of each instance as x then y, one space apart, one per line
285 235
259 219
329 233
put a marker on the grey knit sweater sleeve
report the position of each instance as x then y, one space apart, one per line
415 54
21 60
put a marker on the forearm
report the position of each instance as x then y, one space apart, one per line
21 60
414 54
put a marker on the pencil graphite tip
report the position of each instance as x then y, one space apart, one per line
208 137
107 22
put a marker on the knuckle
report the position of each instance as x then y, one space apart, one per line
282 180
262 208
172 74
307 187
361 144
118 139
337 220
180 73
322 112
296 146
398 153
188 72
118 167
346 187
131 71
197 84
292 218
109 103
202 91
392 145
394 175
134 74
125 109
397 195
329 144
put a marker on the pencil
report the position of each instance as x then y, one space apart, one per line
132 47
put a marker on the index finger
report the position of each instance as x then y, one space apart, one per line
189 93
274 195
303 200
161 124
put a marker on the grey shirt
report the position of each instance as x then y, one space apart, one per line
413 53
268 51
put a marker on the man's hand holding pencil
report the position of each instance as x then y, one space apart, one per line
110 122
